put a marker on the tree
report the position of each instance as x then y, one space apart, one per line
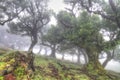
111 30
108 10
31 21
84 32
10 9
52 39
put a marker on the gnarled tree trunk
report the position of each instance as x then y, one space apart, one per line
31 55
93 67
33 42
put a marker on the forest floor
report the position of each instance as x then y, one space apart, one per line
45 69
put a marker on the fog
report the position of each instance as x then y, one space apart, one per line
18 42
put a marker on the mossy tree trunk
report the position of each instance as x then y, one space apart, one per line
93 60
31 61
28 58
93 67
31 55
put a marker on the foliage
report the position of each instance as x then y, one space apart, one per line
109 14
54 35
34 18
85 33
10 9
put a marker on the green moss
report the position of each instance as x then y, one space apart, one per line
20 71
82 77
1 78
2 66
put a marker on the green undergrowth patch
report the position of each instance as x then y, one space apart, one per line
50 69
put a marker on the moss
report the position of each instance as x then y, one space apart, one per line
2 67
1 78
20 73
82 77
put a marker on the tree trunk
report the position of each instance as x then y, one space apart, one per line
63 56
110 56
106 62
46 51
82 51
53 52
79 57
31 55
33 42
73 58
85 57
40 50
93 67
32 46
31 61
93 58
79 54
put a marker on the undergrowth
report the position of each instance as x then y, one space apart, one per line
47 69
